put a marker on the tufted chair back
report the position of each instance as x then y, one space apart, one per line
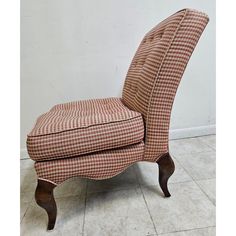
155 73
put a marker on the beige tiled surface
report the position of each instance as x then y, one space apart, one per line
187 146
122 212
69 218
188 208
132 202
210 140
204 161
209 187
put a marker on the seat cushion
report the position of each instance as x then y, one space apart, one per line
76 128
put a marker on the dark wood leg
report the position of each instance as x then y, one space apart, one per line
166 169
45 199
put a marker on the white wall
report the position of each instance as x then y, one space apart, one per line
77 49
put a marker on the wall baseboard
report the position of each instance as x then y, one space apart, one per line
174 134
192 132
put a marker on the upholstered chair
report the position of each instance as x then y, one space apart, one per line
100 138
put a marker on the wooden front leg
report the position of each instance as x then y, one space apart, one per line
45 199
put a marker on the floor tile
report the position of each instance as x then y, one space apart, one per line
147 173
69 219
117 213
188 145
209 140
199 165
28 180
211 231
26 197
209 187
125 180
188 208
71 187
26 164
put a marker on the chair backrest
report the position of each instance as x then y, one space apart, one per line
155 73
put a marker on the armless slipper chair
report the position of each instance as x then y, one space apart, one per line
100 138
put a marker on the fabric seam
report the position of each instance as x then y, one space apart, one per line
110 122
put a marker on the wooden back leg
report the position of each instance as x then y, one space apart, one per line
166 169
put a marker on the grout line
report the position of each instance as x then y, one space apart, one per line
145 201
190 153
181 182
148 210
187 230
205 179
85 203
173 183
205 193
24 213
199 136
29 204
206 144
196 180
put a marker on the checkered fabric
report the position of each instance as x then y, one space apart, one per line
156 71
82 127
101 165
111 132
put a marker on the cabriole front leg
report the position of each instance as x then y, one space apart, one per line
45 199
166 169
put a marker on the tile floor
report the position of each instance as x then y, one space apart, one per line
132 202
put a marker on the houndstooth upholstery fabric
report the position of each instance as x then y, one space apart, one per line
82 127
101 165
149 89
156 71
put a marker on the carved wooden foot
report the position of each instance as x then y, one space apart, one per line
166 169
45 199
